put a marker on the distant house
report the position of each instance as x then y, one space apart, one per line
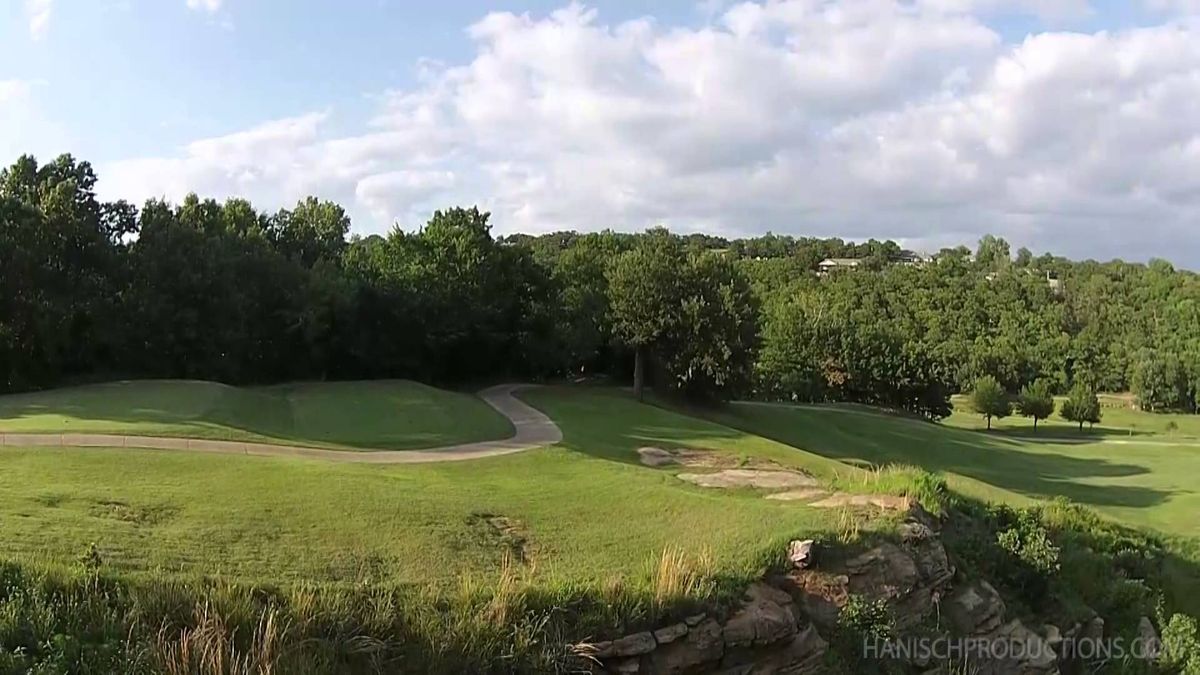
1056 284
912 258
830 265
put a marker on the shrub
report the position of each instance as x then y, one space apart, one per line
1028 540
1181 645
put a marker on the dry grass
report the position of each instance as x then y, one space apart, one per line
678 575
211 646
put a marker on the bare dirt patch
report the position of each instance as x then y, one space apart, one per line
752 478
658 457
885 502
799 495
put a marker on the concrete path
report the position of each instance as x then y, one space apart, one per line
533 430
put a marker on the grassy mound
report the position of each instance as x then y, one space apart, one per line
391 415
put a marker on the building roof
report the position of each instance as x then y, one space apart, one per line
839 262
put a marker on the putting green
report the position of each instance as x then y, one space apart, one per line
389 414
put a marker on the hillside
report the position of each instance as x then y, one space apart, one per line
1144 481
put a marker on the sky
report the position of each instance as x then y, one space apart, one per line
1069 126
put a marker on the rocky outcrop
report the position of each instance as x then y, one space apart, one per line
910 576
767 634
783 622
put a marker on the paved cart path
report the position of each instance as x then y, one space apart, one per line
533 430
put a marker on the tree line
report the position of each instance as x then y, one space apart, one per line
220 290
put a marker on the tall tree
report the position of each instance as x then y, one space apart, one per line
710 351
646 296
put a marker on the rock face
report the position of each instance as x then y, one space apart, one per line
765 635
782 622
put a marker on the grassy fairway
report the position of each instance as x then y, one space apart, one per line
584 511
394 415
1141 481
1118 419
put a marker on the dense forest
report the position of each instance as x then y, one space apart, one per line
92 289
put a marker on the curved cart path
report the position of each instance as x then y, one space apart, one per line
533 430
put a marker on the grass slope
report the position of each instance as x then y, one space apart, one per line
1138 481
583 510
392 415
1118 418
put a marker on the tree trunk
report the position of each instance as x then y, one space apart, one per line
1081 425
989 419
639 371
1035 425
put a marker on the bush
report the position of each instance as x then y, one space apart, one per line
1028 540
1181 645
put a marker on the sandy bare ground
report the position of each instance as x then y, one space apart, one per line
533 430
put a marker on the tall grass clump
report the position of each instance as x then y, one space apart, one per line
928 489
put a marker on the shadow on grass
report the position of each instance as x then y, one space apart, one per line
611 425
1064 434
994 459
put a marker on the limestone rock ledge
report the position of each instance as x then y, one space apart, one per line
783 621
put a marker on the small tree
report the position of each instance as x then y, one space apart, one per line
1036 401
989 399
1081 406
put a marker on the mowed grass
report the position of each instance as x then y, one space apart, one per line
389 414
1118 418
1144 481
585 510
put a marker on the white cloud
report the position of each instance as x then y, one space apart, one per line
25 127
393 194
1052 10
858 118
1180 6
38 12
210 6
13 91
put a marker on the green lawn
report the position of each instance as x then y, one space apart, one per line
390 414
1118 418
1143 481
586 509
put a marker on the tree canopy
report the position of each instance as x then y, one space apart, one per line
221 290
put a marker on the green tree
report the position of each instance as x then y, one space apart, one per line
694 313
989 399
646 296
1159 381
1036 401
710 351
314 230
1081 406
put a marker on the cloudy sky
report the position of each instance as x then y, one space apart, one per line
1064 125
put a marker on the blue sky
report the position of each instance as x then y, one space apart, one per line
137 76
626 114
